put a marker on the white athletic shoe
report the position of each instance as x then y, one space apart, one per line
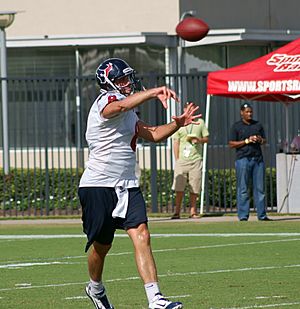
100 299
159 302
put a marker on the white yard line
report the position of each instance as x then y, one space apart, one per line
21 265
266 297
263 306
42 262
23 284
229 245
209 272
65 236
225 235
84 297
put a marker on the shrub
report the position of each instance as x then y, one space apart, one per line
39 189
55 190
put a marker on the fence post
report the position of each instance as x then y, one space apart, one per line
5 127
79 149
46 132
153 158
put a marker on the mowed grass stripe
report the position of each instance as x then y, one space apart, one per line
65 236
42 261
177 274
264 306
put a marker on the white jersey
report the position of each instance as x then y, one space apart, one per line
112 145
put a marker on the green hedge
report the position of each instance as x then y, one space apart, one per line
221 187
57 189
39 189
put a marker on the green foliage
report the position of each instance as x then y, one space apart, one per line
270 183
164 179
222 187
55 190
43 190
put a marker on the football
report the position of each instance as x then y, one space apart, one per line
192 29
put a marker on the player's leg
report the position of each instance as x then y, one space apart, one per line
136 226
140 237
96 260
98 226
95 289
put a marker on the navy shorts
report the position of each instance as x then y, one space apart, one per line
98 204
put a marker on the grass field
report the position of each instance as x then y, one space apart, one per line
204 265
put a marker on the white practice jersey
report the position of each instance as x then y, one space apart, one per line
112 144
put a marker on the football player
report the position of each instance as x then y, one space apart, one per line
109 190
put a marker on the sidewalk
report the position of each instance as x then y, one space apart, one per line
231 218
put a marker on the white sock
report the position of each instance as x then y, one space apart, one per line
151 289
96 287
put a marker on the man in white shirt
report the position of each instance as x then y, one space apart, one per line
109 190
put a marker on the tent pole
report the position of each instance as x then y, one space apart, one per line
204 155
287 145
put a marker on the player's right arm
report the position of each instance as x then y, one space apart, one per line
116 107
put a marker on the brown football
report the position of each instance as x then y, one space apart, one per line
192 29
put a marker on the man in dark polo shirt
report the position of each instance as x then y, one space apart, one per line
247 136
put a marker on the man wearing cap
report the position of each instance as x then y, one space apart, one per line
247 136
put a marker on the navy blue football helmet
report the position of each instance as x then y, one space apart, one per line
112 69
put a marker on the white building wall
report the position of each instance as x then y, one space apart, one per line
90 17
67 158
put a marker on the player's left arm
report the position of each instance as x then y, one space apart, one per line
156 133
159 133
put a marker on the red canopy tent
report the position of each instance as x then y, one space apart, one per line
273 77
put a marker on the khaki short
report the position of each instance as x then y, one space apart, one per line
187 172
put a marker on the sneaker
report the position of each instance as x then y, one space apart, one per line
265 219
159 302
194 216
175 216
100 299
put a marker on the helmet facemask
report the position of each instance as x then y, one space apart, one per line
124 84
127 84
113 70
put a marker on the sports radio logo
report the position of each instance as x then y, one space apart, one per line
285 63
